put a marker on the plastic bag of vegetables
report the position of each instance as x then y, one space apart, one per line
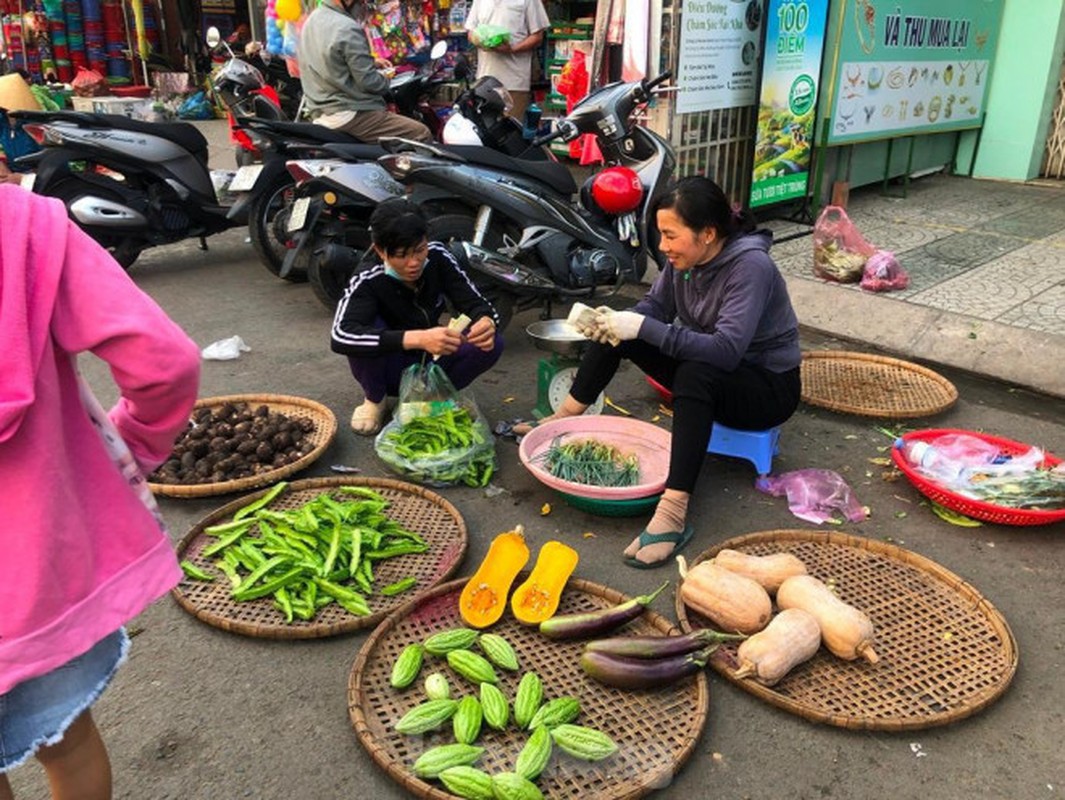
437 436
840 250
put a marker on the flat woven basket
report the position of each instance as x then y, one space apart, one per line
417 509
656 731
325 428
873 386
945 652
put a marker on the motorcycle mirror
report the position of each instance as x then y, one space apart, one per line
462 69
438 51
213 37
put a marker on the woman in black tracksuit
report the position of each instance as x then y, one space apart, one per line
389 317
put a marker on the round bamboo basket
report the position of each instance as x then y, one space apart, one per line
325 428
656 730
945 652
873 386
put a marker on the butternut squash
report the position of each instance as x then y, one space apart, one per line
846 631
769 571
537 598
484 597
790 638
732 602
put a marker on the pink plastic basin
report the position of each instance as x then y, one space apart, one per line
649 442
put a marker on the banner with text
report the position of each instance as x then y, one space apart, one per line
718 63
912 66
794 43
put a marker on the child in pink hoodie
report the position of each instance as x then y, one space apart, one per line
82 548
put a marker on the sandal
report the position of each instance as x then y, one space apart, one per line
506 428
677 538
368 418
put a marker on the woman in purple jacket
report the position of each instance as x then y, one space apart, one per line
716 328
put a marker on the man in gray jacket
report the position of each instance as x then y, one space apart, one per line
342 86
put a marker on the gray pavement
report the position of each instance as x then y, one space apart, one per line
198 713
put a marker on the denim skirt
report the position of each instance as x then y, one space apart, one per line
38 711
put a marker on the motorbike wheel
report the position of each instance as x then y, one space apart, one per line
266 228
449 228
125 250
329 285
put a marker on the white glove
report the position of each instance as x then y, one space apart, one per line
620 326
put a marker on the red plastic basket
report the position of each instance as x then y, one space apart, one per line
977 509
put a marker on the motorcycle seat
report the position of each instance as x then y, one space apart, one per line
356 152
554 174
310 130
180 133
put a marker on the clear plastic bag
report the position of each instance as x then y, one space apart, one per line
883 273
813 494
438 435
840 250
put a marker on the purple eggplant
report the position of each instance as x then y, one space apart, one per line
660 646
643 673
587 624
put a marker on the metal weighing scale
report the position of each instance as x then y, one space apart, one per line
555 373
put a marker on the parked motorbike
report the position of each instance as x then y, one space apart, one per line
244 92
528 229
265 191
335 199
129 184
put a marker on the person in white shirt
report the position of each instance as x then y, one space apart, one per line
511 63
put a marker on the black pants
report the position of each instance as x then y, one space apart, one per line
748 398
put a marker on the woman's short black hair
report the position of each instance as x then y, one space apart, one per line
700 203
398 225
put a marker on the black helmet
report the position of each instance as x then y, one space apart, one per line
492 94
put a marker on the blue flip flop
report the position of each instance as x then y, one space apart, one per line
677 538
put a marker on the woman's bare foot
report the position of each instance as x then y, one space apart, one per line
368 418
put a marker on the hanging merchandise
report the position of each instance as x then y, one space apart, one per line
396 30
75 34
275 42
143 47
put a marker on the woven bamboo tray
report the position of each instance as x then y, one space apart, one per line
873 386
417 509
656 731
325 428
945 651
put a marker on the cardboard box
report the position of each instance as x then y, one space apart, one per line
132 107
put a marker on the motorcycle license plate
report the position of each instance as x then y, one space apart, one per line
245 178
298 216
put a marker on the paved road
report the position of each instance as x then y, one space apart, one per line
198 713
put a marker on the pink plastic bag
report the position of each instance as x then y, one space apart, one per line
813 494
883 273
840 250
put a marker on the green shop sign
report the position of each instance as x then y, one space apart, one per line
911 66
795 32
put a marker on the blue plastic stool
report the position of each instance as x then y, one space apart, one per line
758 447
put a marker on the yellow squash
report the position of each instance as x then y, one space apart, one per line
845 630
537 599
484 598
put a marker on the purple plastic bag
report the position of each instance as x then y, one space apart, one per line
813 494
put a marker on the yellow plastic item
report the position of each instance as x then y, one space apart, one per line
484 597
537 599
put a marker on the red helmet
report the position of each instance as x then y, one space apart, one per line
617 190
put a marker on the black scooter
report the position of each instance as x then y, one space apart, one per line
129 184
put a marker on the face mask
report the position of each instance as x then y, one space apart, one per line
392 273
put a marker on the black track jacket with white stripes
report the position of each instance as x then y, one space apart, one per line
377 309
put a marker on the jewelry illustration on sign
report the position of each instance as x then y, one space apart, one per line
865 21
934 106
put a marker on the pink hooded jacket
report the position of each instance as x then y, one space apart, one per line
80 554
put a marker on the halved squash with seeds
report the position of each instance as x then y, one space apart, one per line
484 598
537 599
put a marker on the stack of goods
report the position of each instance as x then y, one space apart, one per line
75 34
57 31
115 41
95 41
13 32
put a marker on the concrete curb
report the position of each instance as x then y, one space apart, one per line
1014 355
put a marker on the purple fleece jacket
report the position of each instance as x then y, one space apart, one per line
80 554
733 309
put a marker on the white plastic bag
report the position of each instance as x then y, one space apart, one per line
225 349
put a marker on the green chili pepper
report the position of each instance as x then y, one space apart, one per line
270 586
194 572
265 500
225 541
399 586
